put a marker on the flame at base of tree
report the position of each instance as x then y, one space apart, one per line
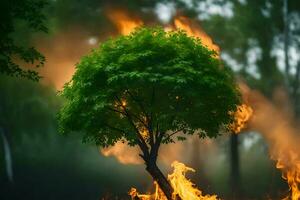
182 187
157 195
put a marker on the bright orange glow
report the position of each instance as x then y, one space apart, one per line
241 117
194 30
144 132
182 186
124 103
123 21
290 173
125 24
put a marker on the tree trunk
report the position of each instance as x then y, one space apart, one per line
161 180
7 155
235 166
286 38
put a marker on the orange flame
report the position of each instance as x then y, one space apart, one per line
241 117
291 173
282 136
126 23
182 187
123 21
194 30
158 194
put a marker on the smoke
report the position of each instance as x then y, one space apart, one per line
275 122
181 151
123 153
62 51
64 48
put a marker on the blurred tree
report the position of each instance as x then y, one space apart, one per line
149 88
14 15
23 111
15 58
258 26
91 15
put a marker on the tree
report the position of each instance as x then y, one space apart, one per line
23 102
149 88
15 17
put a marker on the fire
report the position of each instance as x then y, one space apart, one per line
291 174
123 21
157 195
282 136
126 23
194 30
241 117
182 186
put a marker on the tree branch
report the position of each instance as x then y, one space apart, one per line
139 104
141 141
146 124
170 135
116 111
115 129
151 117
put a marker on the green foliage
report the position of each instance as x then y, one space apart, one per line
164 82
13 13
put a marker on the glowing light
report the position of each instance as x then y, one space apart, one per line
92 41
124 103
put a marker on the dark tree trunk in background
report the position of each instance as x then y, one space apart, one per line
159 177
197 161
295 91
7 154
286 38
235 166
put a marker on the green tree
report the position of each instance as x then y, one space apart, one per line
149 88
19 16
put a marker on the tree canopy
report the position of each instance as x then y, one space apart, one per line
15 15
144 85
